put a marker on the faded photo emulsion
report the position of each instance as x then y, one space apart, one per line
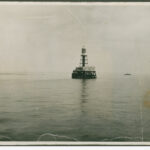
74 73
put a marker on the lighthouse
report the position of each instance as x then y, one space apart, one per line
84 71
83 57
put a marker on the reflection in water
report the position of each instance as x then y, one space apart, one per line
83 119
84 94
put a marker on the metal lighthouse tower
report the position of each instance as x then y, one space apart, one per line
83 57
84 71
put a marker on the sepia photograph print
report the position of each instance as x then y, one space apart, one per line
74 73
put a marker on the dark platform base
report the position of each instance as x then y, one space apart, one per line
84 75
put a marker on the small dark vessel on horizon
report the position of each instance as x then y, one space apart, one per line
127 74
84 71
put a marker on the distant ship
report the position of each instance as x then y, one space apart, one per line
84 71
127 74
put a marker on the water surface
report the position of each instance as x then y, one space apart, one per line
54 107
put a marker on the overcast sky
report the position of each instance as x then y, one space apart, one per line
49 37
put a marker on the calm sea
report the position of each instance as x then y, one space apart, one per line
54 107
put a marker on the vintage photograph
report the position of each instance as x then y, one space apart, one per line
74 72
